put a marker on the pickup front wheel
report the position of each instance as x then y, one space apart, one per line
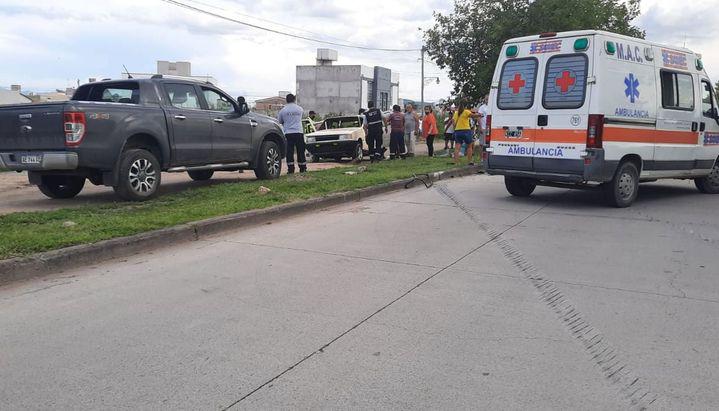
270 164
139 175
61 186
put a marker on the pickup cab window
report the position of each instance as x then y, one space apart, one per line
217 102
128 93
183 96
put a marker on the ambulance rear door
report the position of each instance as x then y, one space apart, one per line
563 107
514 108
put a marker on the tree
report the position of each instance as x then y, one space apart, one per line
468 40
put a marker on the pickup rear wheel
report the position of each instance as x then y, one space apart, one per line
61 186
519 187
139 175
270 164
201 175
710 183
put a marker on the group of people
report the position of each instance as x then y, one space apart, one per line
463 126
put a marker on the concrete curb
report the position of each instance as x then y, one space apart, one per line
56 261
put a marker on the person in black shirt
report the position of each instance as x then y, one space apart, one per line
374 125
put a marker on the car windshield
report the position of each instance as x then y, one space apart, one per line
342 122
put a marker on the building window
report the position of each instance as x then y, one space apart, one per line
384 101
370 90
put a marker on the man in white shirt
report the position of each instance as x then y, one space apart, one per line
484 111
291 119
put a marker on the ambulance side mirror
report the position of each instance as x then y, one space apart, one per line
715 114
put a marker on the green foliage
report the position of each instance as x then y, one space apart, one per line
27 233
468 40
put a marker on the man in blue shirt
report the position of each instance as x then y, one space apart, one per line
291 119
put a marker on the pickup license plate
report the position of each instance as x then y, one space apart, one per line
31 159
513 133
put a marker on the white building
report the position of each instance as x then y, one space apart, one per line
344 89
13 97
173 68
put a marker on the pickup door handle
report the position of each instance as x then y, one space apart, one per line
254 123
180 117
218 120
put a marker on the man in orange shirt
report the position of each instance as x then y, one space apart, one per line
429 129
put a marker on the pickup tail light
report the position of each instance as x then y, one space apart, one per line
75 126
595 130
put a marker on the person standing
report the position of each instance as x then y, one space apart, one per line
449 130
396 138
429 129
463 131
291 119
373 125
411 128
483 110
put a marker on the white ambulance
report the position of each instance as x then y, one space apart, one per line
597 109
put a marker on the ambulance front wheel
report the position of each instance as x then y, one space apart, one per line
710 183
624 187
520 187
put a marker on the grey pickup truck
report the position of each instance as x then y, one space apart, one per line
124 133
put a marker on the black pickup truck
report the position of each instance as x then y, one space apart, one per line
124 133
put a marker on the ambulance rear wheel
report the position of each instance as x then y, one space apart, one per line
520 187
624 187
710 183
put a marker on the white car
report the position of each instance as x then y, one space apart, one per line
340 137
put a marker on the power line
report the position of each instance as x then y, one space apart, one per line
244 23
264 20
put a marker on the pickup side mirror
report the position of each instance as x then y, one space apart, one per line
242 106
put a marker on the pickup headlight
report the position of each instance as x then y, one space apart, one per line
310 139
346 137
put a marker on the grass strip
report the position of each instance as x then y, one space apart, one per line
22 234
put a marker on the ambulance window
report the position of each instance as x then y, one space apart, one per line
565 84
677 91
707 99
516 88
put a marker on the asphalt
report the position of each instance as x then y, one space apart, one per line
456 297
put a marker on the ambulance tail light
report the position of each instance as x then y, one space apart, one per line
595 129
488 138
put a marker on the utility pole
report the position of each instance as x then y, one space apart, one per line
421 108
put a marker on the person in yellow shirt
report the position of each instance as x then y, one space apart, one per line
463 131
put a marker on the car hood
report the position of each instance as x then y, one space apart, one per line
334 131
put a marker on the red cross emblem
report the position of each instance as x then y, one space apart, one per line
566 81
517 84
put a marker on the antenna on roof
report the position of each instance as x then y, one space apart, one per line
127 71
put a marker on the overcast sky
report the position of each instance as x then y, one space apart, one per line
48 44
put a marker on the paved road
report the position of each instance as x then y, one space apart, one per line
461 297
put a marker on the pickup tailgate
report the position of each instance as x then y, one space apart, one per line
32 127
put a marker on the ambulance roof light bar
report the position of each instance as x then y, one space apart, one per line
547 34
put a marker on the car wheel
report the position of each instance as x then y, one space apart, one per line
520 187
270 164
201 175
61 186
624 187
139 175
358 155
710 183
